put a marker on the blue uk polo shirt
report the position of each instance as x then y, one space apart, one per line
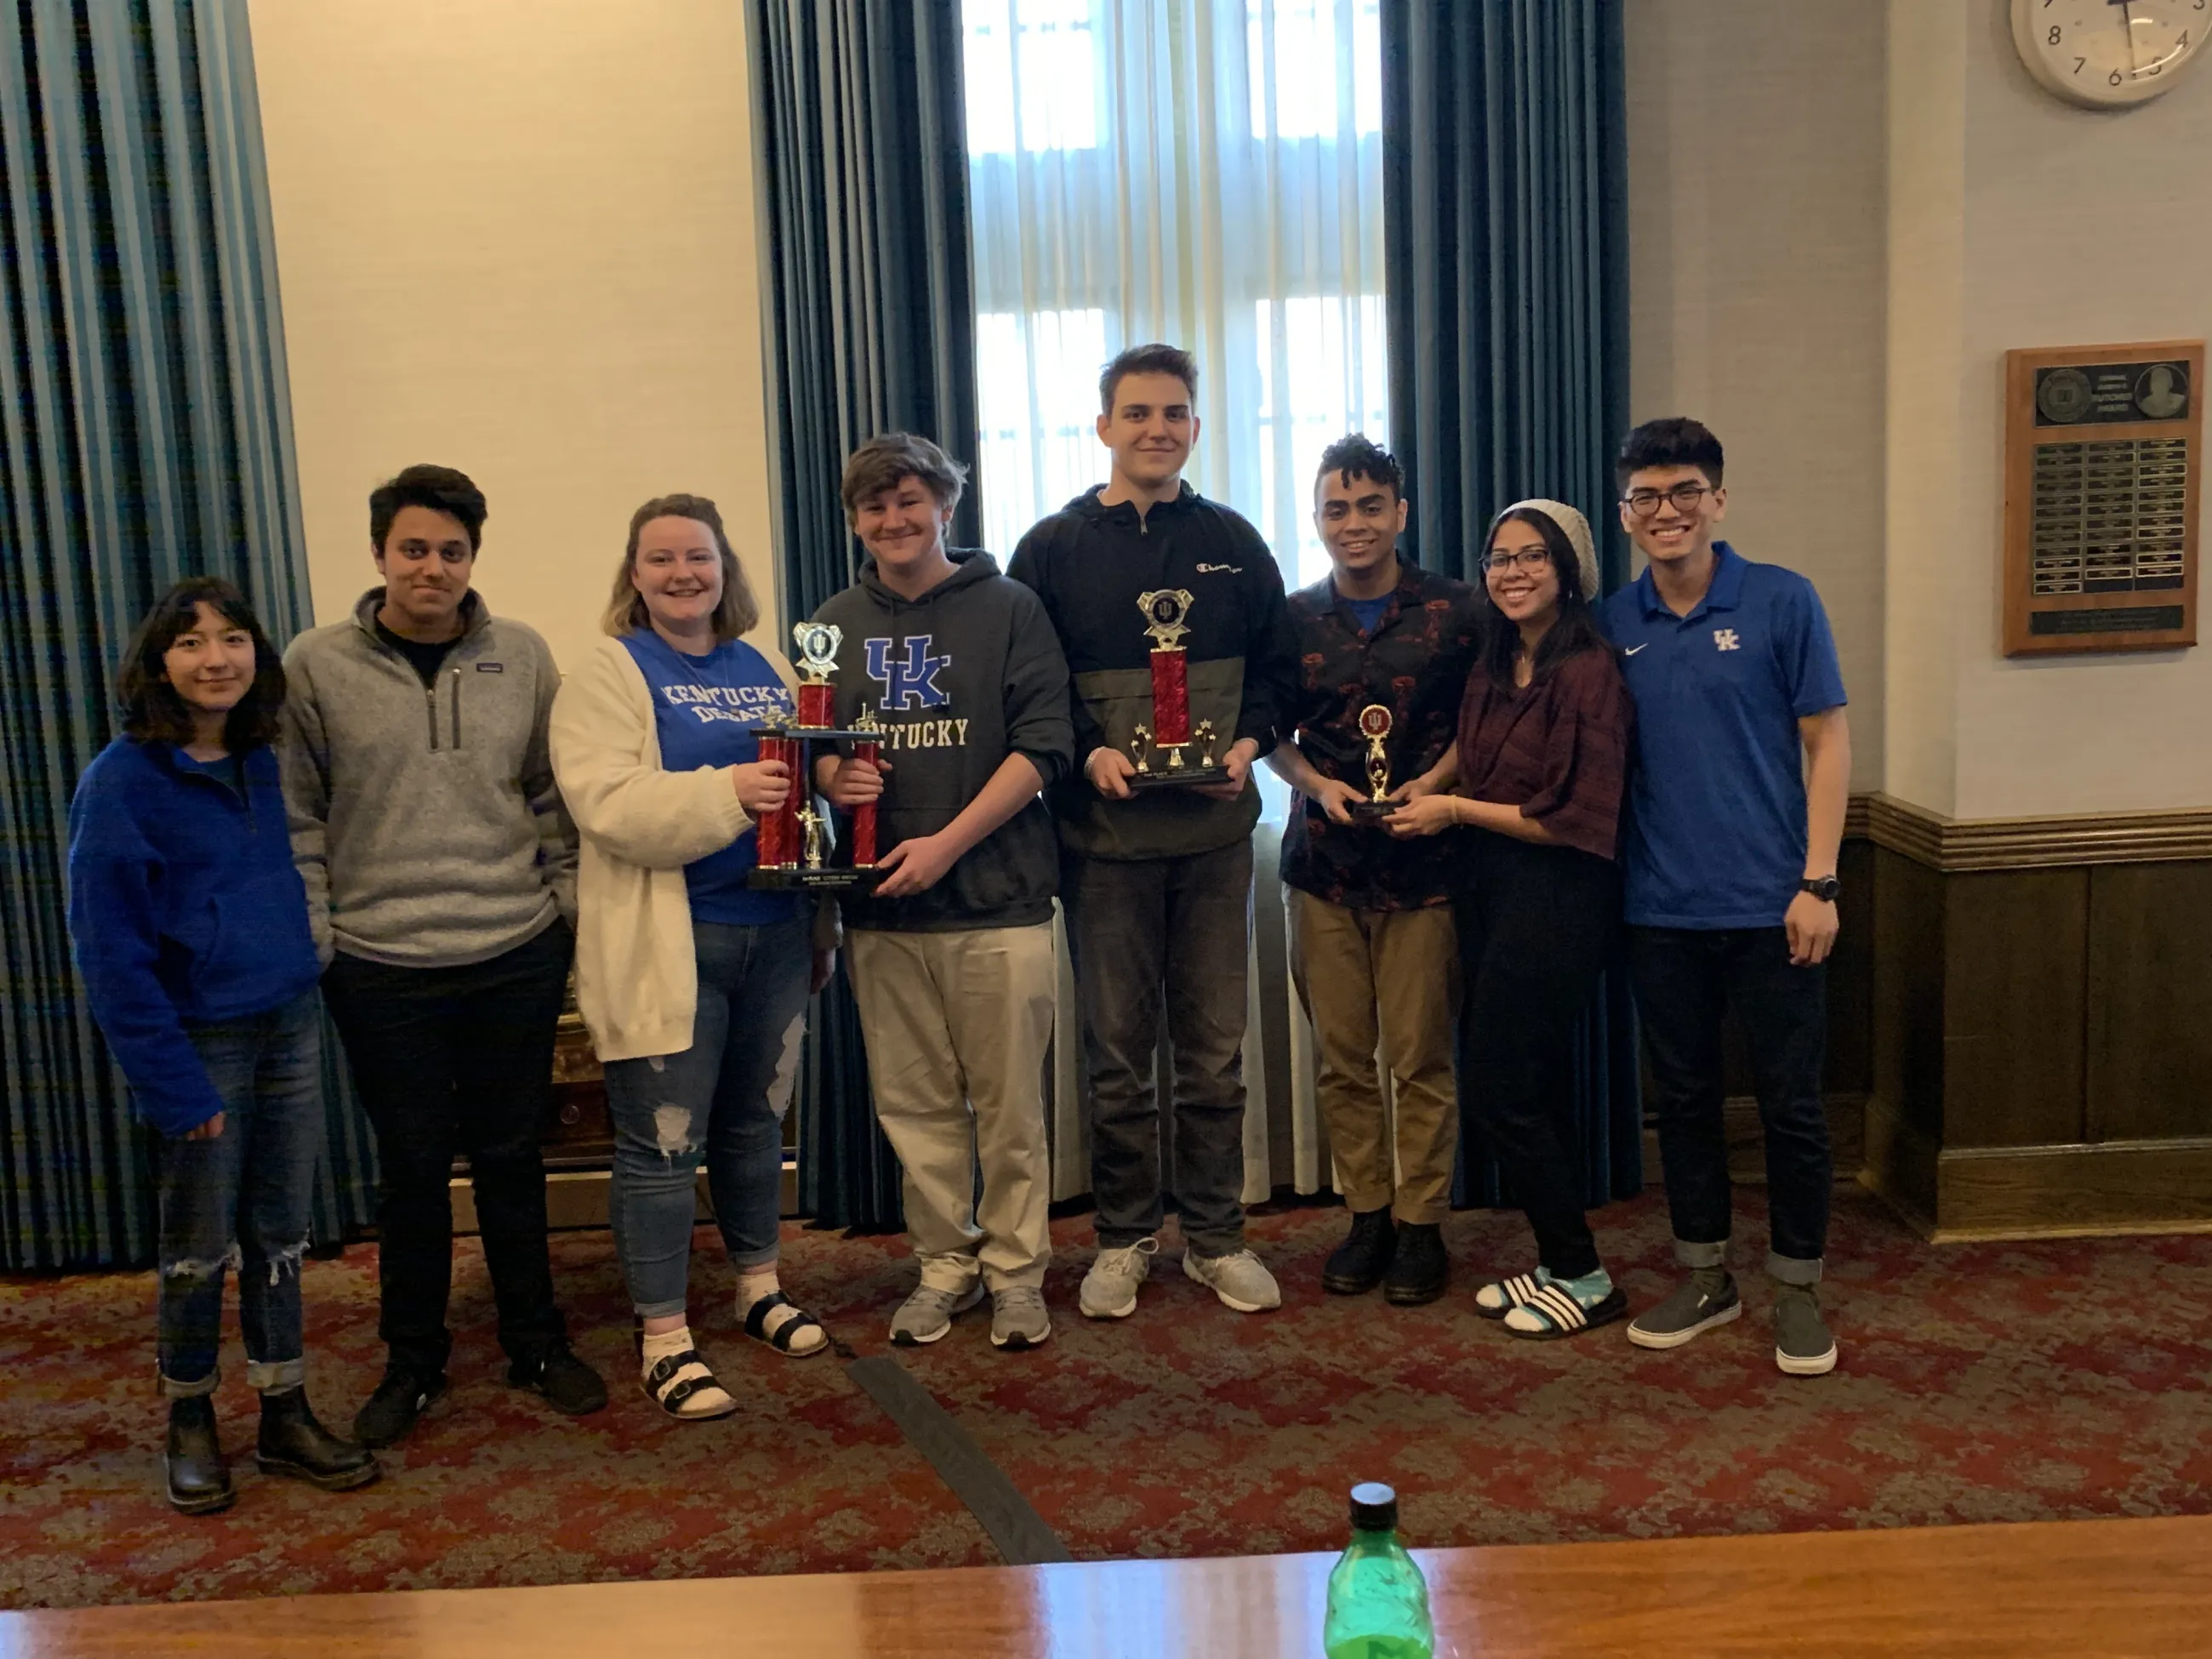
1715 830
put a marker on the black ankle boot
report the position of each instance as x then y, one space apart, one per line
1357 1266
293 1443
1420 1270
198 1478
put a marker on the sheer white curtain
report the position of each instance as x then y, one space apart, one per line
1203 171
1207 172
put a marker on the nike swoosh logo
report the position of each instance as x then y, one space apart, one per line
1633 650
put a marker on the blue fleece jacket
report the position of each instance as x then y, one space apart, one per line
184 907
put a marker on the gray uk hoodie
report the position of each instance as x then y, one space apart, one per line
425 821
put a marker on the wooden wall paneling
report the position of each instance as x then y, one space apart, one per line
2150 1040
1908 983
2015 1008
1903 1128
2042 1192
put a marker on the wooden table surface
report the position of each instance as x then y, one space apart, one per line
2083 1588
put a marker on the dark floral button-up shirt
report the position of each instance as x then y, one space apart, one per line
1415 663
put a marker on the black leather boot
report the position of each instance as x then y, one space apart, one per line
293 1443
1420 1270
1357 1266
198 1478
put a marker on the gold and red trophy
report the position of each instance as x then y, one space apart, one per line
794 838
1170 732
1375 726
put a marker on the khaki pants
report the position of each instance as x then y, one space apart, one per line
1391 974
957 1025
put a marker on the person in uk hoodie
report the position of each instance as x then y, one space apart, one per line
950 955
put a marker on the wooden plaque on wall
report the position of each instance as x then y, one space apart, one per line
2104 457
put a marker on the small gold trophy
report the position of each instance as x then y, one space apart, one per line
1375 726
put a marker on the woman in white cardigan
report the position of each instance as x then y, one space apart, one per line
694 985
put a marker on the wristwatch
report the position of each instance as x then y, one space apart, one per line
1823 888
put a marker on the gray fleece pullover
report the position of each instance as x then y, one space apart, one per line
425 822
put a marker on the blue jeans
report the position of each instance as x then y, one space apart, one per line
722 1100
243 1200
1685 980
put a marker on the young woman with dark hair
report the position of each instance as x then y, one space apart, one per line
1543 736
190 923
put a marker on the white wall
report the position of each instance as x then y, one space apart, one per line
1756 254
2080 227
517 237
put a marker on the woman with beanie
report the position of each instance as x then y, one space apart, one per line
1543 739
190 924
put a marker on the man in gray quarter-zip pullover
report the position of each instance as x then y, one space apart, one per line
440 870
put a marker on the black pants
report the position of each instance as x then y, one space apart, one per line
1154 936
449 1058
1536 927
1683 981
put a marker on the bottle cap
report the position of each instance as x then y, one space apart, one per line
1374 1507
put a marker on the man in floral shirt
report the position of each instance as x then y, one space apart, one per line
1384 650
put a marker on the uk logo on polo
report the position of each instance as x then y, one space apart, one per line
911 683
1724 639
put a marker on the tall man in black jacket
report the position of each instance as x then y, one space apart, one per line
1158 884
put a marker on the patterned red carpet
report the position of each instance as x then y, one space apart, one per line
2002 1381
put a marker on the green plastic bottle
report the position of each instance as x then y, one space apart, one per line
1378 1603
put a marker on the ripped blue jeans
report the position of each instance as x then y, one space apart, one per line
721 1102
242 1201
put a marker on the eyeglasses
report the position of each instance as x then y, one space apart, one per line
1685 496
1532 558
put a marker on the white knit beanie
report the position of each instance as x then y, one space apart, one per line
1577 531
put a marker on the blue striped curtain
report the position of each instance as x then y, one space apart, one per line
1505 219
145 435
870 324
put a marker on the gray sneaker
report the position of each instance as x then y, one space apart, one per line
929 1313
1802 1346
1017 1317
1239 1279
1706 1298
1110 1289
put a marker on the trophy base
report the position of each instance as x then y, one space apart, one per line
797 877
1370 811
819 733
1176 779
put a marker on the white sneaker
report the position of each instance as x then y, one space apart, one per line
1239 1279
1110 1289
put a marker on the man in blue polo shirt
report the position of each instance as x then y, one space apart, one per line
1742 770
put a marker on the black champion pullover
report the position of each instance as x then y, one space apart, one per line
959 678
1089 563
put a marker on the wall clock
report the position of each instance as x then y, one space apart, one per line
2109 54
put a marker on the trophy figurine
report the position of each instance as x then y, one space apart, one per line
794 838
1157 748
1375 726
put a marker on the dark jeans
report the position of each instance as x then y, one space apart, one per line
243 1199
448 1058
1150 934
723 1098
1683 981
1537 927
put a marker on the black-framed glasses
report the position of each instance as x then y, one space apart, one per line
1685 496
1529 558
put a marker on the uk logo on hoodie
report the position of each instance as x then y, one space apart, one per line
910 683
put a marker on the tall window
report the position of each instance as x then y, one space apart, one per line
1203 171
